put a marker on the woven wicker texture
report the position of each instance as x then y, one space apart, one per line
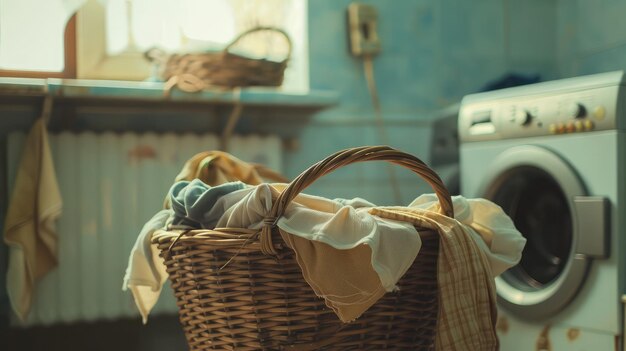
198 71
238 289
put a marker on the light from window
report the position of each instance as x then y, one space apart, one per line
117 38
199 25
212 21
32 34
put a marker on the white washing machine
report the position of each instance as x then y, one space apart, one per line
444 150
552 155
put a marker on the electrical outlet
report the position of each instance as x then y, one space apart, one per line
363 29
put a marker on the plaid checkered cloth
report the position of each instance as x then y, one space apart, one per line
467 300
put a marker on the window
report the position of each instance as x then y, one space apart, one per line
111 36
37 39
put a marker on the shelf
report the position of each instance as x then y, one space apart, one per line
100 105
153 91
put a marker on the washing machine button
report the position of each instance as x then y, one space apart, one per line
523 117
552 128
577 111
599 112
579 125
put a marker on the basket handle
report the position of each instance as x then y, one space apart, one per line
343 158
259 29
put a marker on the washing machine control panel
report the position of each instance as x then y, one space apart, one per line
544 112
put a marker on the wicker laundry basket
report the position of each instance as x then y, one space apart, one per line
197 71
260 300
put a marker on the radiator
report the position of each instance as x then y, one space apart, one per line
111 185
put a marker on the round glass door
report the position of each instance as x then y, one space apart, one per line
536 187
539 209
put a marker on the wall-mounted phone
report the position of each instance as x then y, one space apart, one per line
363 29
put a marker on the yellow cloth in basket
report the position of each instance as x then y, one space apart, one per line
467 305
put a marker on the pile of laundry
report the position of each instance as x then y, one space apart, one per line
380 243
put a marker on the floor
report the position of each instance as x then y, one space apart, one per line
161 333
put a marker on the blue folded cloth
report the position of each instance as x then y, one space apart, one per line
193 200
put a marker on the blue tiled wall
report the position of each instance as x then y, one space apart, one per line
591 36
434 52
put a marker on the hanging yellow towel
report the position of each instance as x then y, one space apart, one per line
29 228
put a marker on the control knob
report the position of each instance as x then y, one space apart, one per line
577 111
523 117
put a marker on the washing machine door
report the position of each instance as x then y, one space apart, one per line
537 189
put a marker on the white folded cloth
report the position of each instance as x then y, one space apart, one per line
492 229
145 274
394 244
